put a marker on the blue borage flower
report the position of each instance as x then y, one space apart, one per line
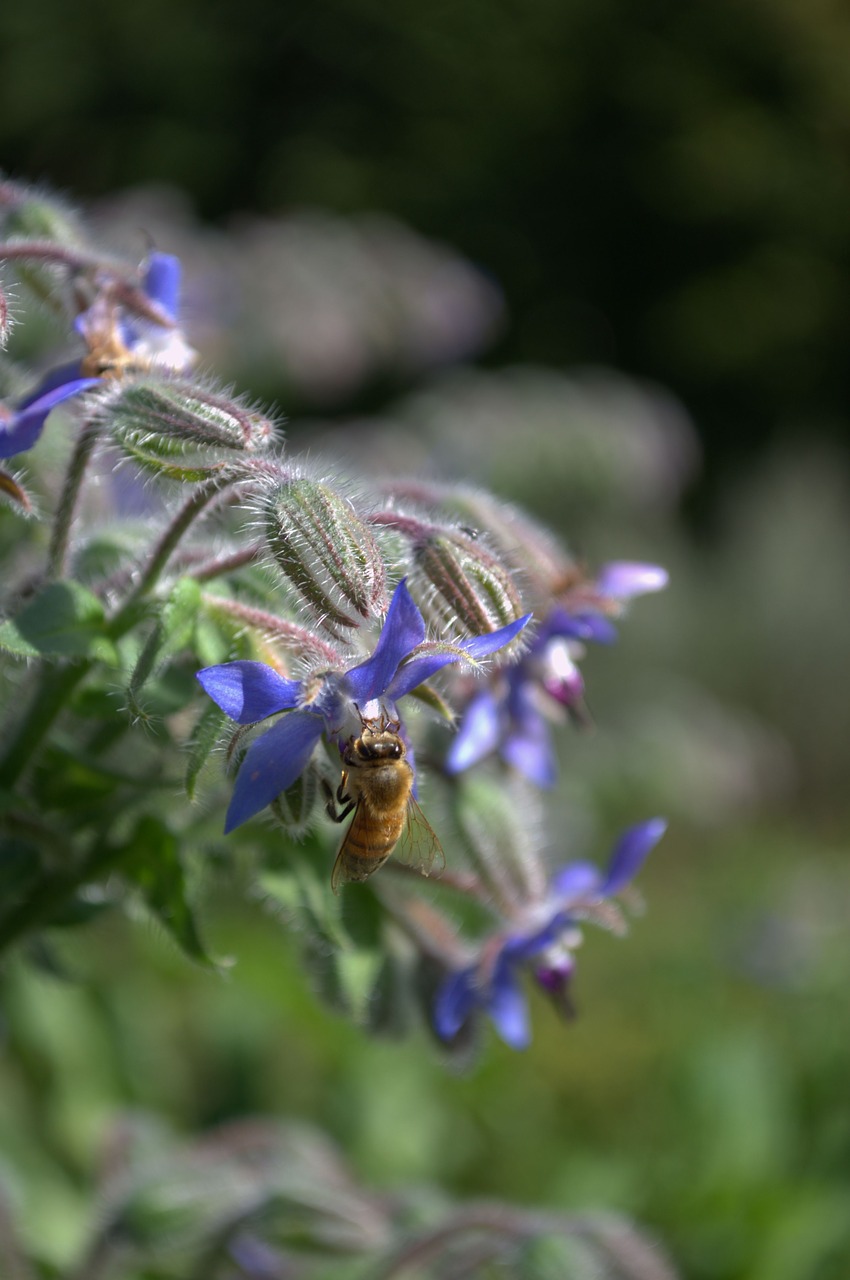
331 703
149 343
513 715
545 944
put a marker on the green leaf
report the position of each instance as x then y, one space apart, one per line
152 861
63 621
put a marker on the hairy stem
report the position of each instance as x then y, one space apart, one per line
58 552
204 494
56 686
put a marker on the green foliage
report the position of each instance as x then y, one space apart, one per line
65 620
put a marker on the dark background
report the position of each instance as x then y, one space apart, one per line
661 188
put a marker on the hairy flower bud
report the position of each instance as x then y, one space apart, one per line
461 582
32 216
179 428
27 214
325 551
501 821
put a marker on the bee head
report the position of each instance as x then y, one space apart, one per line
375 744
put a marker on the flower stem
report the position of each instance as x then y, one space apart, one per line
57 685
60 536
204 494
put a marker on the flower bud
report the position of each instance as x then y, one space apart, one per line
461 582
501 823
179 428
325 551
31 216
27 214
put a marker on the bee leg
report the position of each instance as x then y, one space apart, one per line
332 800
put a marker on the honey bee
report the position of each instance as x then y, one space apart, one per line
377 785
108 355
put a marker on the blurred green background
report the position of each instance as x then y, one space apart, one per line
661 191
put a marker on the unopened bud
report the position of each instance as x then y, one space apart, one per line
461 582
501 823
26 214
31 216
325 551
179 428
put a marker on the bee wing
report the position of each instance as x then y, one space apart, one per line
350 865
419 846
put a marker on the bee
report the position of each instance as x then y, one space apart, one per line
377 786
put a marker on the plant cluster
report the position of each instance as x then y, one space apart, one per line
183 599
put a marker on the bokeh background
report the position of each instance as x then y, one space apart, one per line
596 256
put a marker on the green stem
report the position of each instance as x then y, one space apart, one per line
186 516
60 537
57 685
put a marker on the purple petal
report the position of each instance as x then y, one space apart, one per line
482 646
508 1009
623 579
630 852
62 376
419 669
402 631
588 627
21 430
522 947
478 734
162 282
529 750
271 764
455 1001
249 691
576 880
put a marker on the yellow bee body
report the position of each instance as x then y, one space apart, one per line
377 784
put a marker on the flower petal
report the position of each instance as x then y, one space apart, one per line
528 749
402 631
249 691
508 1009
630 852
482 646
271 764
455 1001
21 430
522 946
478 734
587 626
623 579
417 670
162 282
576 880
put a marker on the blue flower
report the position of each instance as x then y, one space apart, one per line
148 343
513 716
545 943
330 704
